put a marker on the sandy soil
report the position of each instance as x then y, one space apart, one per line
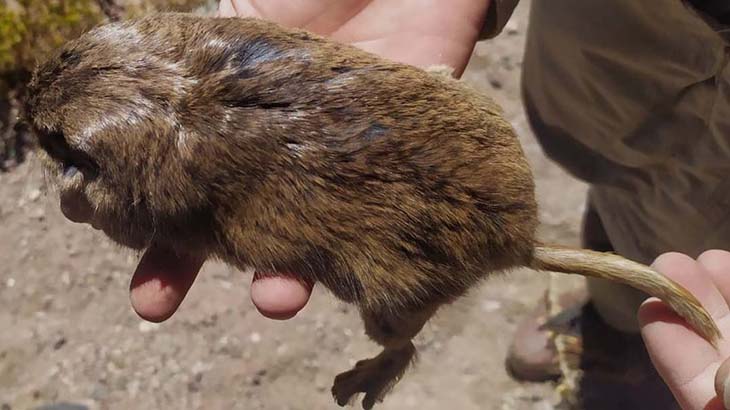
69 335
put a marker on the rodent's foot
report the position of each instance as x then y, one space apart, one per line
375 377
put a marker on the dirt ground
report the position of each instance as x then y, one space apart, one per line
68 334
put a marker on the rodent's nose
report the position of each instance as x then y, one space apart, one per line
76 207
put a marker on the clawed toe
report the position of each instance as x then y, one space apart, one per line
375 377
363 378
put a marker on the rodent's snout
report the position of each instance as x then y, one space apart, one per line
76 207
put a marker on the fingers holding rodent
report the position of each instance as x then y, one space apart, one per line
695 277
661 324
698 281
161 282
279 296
717 265
722 383
683 358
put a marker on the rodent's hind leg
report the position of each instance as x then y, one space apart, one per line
376 376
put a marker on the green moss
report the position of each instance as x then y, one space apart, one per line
12 30
30 29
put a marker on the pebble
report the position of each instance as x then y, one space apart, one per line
34 195
59 343
282 349
200 367
512 28
195 384
257 378
322 382
133 387
38 214
255 337
146 327
490 306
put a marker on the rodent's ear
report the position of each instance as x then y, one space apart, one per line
54 144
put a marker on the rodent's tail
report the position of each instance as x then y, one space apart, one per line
618 269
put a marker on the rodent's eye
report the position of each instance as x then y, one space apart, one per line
72 159
55 145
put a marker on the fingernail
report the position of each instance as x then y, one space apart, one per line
722 382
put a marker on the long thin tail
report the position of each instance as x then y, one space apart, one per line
618 269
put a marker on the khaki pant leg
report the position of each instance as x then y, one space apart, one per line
633 97
616 304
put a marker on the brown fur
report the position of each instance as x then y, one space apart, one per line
395 188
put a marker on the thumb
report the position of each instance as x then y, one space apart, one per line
722 383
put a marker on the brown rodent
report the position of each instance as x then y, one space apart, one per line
396 188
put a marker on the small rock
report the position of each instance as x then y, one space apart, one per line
195 384
256 379
38 214
10 282
72 251
154 382
512 28
146 327
255 337
34 195
321 383
133 387
59 343
496 84
200 367
490 306
282 349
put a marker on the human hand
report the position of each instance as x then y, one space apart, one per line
687 362
162 280
418 32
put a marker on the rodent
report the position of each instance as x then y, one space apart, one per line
396 188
